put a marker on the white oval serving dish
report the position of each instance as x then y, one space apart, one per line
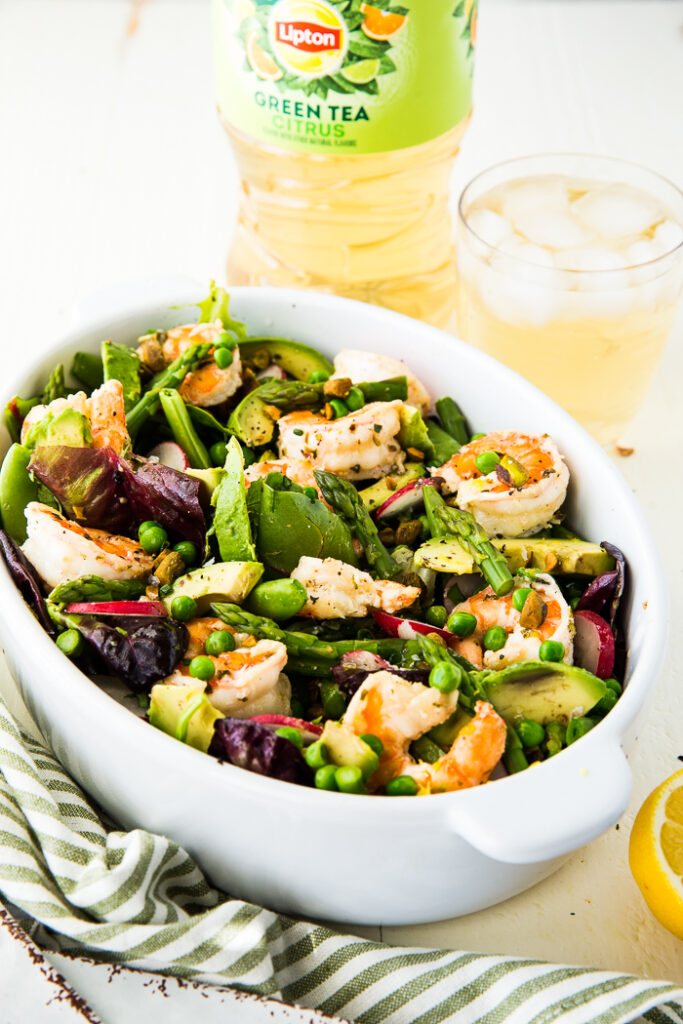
329 855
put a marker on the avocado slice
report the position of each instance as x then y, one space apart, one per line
68 427
413 432
444 554
209 480
444 734
222 581
293 357
344 747
183 712
543 691
559 557
250 422
554 555
123 364
376 494
231 521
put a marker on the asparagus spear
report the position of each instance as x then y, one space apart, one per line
171 377
348 504
183 431
453 420
55 387
303 648
474 538
294 394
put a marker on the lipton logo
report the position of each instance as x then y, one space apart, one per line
308 37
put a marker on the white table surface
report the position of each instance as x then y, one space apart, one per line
113 166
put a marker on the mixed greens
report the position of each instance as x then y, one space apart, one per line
308 569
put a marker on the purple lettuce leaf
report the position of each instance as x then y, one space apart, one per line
141 656
603 594
99 489
26 579
255 747
350 682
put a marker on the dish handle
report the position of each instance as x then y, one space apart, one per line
556 809
113 300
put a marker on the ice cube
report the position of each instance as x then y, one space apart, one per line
529 198
639 256
590 258
521 293
535 254
555 230
668 236
489 226
617 211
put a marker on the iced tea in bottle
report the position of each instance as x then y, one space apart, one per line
345 118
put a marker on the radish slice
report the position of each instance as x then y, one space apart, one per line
468 583
309 731
170 454
365 661
272 371
407 629
153 608
593 644
406 498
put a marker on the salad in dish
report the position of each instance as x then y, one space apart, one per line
311 570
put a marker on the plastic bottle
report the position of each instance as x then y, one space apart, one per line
345 118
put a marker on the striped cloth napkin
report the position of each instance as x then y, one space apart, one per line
138 899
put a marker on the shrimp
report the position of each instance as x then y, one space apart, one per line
362 366
208 384
61 550
248 680
474 754
298 470
361 446
337 590
397 712
499 505
104 411
549 618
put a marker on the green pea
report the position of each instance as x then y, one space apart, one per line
374 742
153 540
519 598
247 455
530 733
221 641
349 779
187 551
318 377
311 493
577 728
223 358
202 667
325 777
551 650
355 399
225 340
487 462
338 407
218 452
477 437
316 755
183 608
275 480
332 700
445 677
495 638
277 599
70 642
147 525
613 684
287 732
461 623
607 702
436 616
402 785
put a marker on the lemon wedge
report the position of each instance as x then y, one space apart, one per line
656 853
